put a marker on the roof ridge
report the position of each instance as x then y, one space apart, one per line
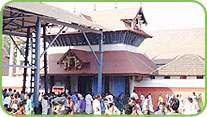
163 66
112 9
143 62
178 58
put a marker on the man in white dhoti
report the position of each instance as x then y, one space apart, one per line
195 100
134 95
80 99
45 104
89 101
97 105
150 103
109 98
181 105
190 107
146 104
142 99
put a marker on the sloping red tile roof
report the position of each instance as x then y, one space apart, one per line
81 55
114 63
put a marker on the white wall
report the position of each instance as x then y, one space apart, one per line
16 81
108 47
159 81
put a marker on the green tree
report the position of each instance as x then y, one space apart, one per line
6 44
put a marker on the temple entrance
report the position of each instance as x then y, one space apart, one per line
84 84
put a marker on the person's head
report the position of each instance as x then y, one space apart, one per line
193 93
68 99
146 96
98 97
141 93
132 101
199 94
162 106
16 96
174 104
65 95
15 90
10 89
89 92
76 93
61 102
177 95
160 94
5 90
28 96
5 106
134 91
190 99
9 110
12 96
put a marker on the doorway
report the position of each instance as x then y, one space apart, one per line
84 84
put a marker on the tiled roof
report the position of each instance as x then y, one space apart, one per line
53 12
167 44
111 19
189 64
114 63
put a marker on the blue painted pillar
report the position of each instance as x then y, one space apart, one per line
100 69
37 63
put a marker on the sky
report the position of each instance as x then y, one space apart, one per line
159 15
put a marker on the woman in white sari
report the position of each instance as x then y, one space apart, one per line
89 101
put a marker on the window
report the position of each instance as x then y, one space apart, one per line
199 77
183 77
166 77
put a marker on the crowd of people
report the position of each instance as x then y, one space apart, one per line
76 103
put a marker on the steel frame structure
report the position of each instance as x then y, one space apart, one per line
37 26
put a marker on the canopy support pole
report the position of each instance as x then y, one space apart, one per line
100 69
89 44
37 64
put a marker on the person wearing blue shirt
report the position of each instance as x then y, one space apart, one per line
75 101
161 110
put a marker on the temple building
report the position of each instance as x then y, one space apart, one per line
170 61
72 66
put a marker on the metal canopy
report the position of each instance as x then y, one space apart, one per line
18 16
26 19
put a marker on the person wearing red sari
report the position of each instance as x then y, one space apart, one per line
71 105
